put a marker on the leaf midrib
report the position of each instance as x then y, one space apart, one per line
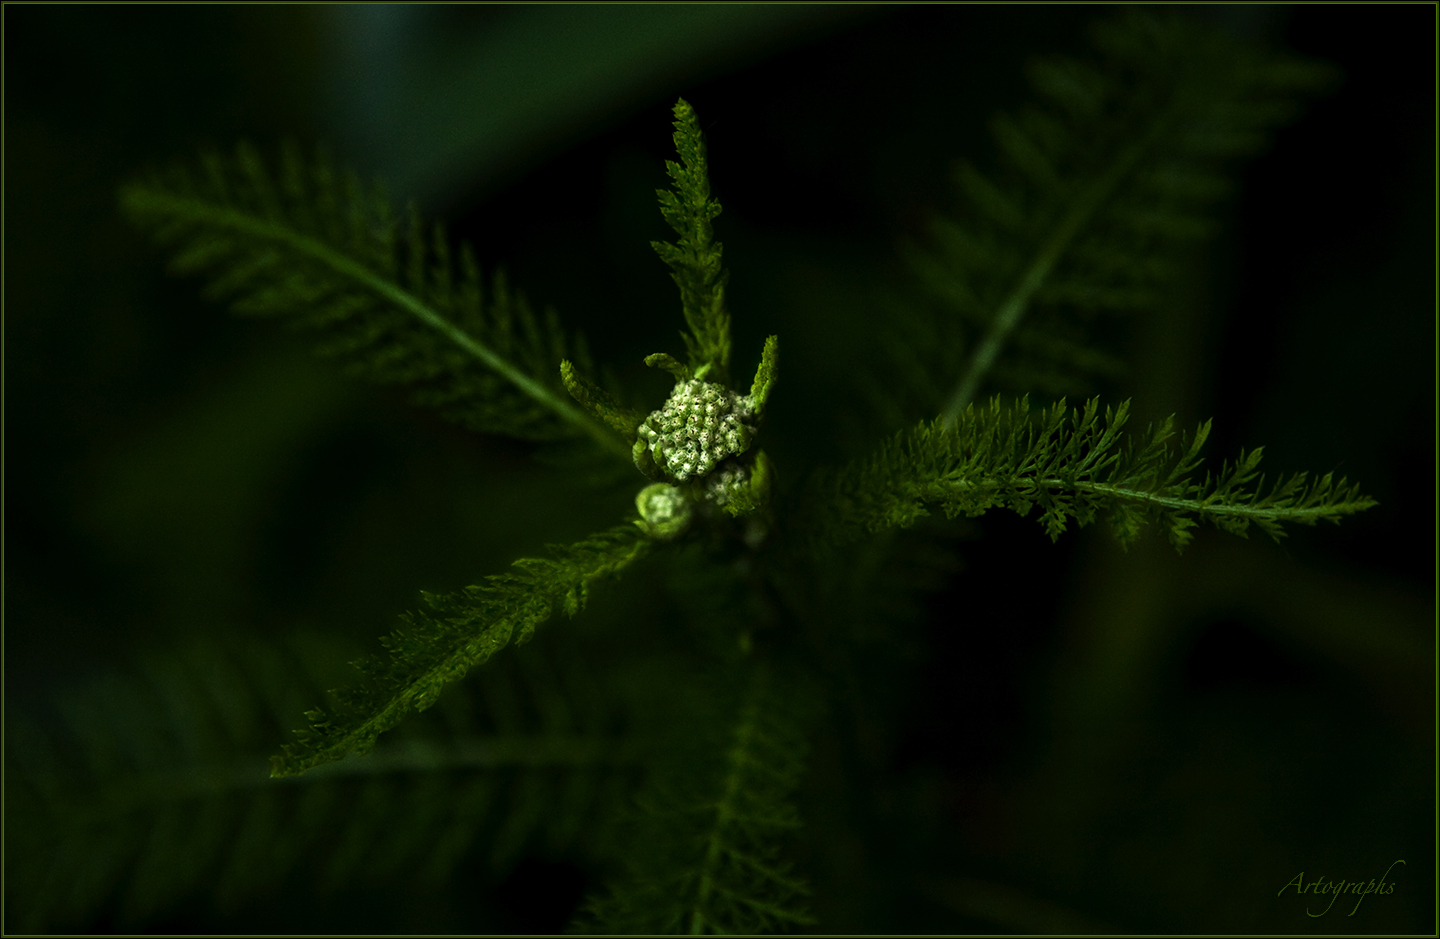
199 210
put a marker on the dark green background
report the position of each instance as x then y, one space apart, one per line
1091 738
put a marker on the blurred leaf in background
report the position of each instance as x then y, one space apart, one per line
1078 739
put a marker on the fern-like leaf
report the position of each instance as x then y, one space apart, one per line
148 787
329 255
1073 465
460 631
1102 187
695 260
708 858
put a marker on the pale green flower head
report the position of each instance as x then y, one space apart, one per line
701 424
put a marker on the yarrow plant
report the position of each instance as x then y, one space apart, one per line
1100 187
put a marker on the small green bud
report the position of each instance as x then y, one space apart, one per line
665 511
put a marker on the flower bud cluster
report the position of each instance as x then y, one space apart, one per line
723 484
701 424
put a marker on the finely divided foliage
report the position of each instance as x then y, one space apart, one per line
459 632
1073 465
332 256
710 828
1098 189
695 260
152 784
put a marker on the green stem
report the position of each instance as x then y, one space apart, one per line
1015 306
1200 507
1278 513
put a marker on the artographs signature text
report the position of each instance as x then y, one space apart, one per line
1321 886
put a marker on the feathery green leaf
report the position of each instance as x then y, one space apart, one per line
668 363
330 256
1073 465
713 827
460 631
695 259
766 373
148 788
599 403
1101 189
